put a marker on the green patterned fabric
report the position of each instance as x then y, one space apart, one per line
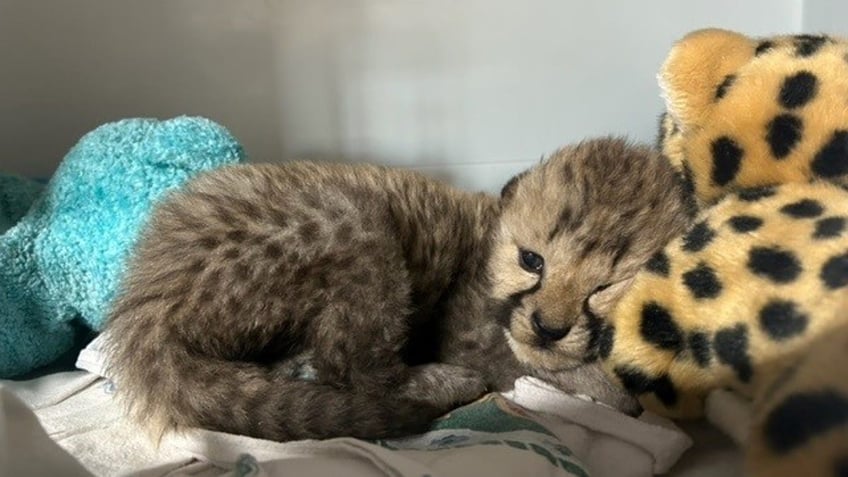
493 421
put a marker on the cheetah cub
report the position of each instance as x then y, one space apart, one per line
314 300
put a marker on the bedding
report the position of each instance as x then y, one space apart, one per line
533 430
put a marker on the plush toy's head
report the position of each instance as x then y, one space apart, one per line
744 112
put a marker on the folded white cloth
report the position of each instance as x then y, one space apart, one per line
534 430
607 441
90 426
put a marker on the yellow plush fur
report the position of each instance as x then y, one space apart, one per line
821 376
742 297
753 297
698 64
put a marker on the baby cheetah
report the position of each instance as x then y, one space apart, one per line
314 300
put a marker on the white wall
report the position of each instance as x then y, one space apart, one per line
826 16
471 90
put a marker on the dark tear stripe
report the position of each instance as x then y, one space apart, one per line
512 302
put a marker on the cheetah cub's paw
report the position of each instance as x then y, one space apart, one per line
443 386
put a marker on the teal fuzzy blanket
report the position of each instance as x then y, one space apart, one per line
64 246
16 196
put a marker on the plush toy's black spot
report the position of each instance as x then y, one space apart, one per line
778 265
605 341
721 90
832 159
636 382
698 237
702 281
658 327
808 45
699 343
754 194
803 209
834 273
781 319
763 47
798 89
688 180
727 157
659 264
731 348
594 327
783 134
802 417
829 227
664 390
687 190
745 223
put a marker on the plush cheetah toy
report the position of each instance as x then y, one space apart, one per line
754 298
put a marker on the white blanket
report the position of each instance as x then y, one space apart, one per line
534 430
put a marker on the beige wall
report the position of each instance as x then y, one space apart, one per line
471 90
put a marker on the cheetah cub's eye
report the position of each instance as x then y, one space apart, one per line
531 261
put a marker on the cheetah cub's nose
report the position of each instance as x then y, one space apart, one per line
547 334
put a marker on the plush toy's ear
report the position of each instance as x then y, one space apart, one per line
698 69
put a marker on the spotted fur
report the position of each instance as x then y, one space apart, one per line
311 300
794 125
752 297
801 425
277 301
745 291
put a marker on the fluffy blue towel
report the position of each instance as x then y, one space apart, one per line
63 260
16 196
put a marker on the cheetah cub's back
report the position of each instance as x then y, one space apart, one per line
276 301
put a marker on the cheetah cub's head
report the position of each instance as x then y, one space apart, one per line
573 232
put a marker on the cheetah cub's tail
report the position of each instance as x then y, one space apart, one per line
185 389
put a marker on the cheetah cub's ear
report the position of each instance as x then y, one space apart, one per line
508 190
